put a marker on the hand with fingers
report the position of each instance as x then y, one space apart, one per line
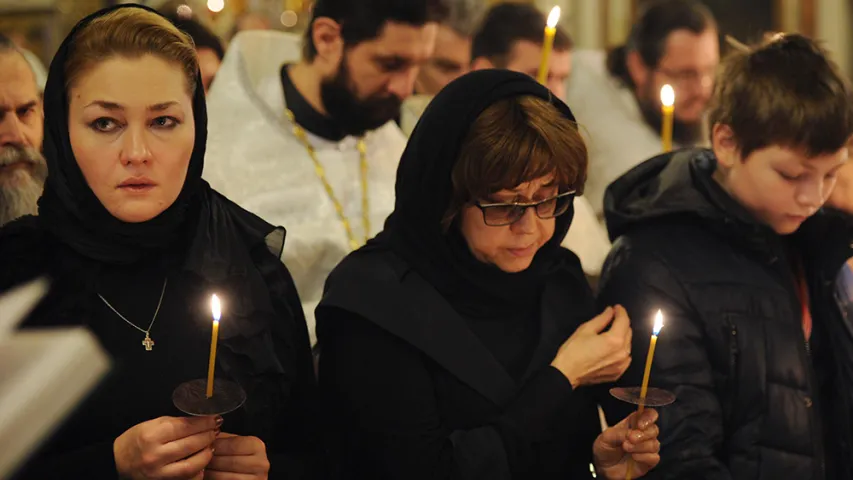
590 357
238 458
616 446
166 448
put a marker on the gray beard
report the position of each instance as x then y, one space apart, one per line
21 188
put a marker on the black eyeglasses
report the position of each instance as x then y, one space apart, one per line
500 214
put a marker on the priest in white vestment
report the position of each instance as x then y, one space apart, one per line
306 145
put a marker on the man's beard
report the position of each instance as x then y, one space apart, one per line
685 134
353 115
20 188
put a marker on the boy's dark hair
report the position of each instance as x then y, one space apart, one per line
362 20
784 92
201 36
507 23
649 34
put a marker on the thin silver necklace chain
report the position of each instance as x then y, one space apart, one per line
146 332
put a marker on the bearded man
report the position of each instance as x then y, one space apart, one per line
22 167
302 132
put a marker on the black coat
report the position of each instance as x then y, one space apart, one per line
279 406
410 392
755 401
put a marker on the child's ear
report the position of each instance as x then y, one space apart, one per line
725 145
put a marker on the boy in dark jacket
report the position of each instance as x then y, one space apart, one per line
734 246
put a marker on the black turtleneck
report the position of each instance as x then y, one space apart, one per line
306 115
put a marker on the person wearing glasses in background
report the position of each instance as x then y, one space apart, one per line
462 342
617 98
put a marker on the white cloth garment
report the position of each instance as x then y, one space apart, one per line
411 111
617 136
587 238
254 159
37 67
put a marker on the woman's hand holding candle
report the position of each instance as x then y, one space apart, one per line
590 357
620 447
238 457
166 447
646 375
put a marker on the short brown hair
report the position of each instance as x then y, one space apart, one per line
132 33
505 24
784 92
516 140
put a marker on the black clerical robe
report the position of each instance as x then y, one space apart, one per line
410 391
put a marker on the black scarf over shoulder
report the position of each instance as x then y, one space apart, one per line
423 194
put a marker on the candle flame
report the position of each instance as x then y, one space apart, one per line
658 323
553 17
215 307
667 96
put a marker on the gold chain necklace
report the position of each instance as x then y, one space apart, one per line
321 174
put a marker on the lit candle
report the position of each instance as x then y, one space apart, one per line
667 100
548 43
645 387
216 308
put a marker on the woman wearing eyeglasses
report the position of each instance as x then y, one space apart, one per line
462 342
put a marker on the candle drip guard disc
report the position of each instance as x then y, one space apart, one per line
191 397
655 397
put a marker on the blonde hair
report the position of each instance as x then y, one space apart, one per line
131 33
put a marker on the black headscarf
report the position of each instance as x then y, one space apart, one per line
69 208
213 236
424 190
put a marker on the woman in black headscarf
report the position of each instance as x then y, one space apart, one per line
135 243
456 344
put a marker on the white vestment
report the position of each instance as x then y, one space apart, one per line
587 238
254 159
411 111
